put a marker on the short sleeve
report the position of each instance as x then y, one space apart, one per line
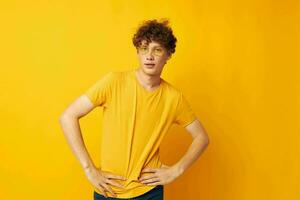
184 114
100 92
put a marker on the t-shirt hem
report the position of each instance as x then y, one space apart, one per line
90 98
189 121
135 192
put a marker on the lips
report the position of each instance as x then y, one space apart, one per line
150 65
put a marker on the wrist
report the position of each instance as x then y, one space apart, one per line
178 170
88 167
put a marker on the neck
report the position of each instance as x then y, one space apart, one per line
148 81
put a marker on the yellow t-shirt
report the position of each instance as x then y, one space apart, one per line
135 120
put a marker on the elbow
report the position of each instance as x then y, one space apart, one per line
68 115
204 140
63 117
207 142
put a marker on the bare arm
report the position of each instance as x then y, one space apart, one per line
197 147
69 121
167 174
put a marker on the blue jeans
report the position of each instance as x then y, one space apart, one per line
156 193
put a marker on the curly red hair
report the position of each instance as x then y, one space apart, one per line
158 31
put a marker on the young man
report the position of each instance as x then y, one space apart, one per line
139 107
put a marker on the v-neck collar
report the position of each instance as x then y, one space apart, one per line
133 72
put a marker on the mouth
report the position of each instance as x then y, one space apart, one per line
149 65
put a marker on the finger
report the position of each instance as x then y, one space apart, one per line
147 177
150 180
116 184
154 183
109 189
102 191
113 176
149 170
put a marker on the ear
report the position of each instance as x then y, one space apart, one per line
169 56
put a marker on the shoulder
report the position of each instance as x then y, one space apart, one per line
118 75
175 94
172 89
110 77
105 80
112 74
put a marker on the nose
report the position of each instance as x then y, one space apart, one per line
149 56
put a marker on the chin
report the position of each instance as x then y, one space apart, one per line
149 71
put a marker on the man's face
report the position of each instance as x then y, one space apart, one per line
152 53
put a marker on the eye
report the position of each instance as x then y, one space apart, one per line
143 48
158 50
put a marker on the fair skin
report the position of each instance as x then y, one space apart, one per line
148 76
150 79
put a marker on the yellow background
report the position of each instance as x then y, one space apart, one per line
237 62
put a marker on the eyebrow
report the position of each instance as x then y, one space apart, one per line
145 45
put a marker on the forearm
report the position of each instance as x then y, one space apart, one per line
72 132
194 151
